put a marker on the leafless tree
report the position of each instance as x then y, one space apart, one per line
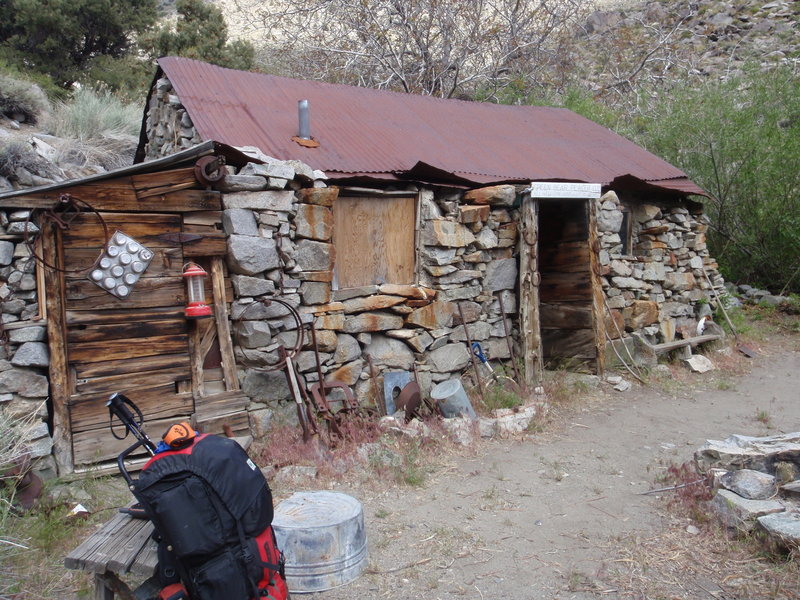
445 48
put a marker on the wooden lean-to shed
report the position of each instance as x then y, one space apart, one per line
131 335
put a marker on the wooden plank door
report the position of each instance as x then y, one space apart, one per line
138 345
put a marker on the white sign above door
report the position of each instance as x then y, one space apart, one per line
552 189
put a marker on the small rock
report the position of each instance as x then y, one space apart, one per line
699 364
623 386
748 483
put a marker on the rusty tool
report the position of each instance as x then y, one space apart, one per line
291 376
471 355
510 345
381 406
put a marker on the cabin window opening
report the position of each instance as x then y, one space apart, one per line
375 240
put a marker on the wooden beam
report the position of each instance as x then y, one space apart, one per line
598 295
223 325
529 294
149 292
118 349
56 338
107 368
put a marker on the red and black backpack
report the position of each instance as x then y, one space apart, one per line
212 512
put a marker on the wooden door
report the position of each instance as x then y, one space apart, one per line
138 345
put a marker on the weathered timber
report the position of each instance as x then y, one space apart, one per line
563 287
529 294
210 244
224 403
122 381
201 338
598 295
568 257
566 316
89 411
223 325
106 196
79 317
95 445
135 327
568 343
94 554
165 262
147 293
238 423
86 230
107 368
149 181
379 233
115 348
57 343
210 218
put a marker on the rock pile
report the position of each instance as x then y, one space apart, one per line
759 484
748 294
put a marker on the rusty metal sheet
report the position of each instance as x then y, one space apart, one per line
368 131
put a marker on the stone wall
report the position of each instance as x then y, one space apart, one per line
169 128
658 288
24 356
280 243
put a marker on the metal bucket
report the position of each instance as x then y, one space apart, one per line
453 399
323 538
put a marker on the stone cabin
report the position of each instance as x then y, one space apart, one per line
397 224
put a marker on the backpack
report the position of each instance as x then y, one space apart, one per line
212 512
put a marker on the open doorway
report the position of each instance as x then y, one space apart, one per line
566 292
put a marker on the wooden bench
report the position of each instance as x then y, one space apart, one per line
123 546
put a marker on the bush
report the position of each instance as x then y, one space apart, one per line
17 155
18 96
94 114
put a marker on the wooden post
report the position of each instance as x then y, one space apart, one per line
529 293
223 326
598 295
57 342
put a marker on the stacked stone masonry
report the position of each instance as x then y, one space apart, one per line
24 356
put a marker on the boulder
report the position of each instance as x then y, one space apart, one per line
389 352
450 357
249 255
441 232
314 222
750 484
741 513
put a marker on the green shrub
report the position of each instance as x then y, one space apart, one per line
19 96
93 114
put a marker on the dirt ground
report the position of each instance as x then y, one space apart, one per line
548 516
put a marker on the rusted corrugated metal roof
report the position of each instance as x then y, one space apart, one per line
367 131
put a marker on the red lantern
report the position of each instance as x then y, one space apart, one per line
196 307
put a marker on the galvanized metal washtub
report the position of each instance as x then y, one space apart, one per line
323 538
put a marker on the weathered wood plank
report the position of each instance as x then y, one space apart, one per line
598 295
133 328
569 257
148 181
201 337
529 317
238 423
565 287
116 348
113 195
93 553
209 218
113 383
108 368
378 236
95 445
86 230
223 325
209 407
80 317
211 244
165 262
149 292
146 561
568 343
88 411
566 316
57 343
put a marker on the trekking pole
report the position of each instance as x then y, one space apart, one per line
118 406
